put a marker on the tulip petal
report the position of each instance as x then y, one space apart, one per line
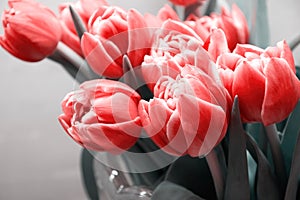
154 127
216 44
228 60
281 95
241 49
159 114
249 86
230 31
177 144
172 25
166 13
71 39
282 51
240 23
115 108
201 133
137 27
93 49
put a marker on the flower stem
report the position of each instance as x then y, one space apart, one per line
76 66
295 42
277 155
217 166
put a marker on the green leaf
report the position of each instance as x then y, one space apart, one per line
88 175
194 175
266 184
211 7
168 190
277 155
290 135
298 71
217 165
256 130
293 182
237 182
78 23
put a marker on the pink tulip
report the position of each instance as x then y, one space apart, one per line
175 45
85 9
264 81
31 30
113 33
102 115
234 25
188 115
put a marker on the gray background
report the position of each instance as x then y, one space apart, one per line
37 159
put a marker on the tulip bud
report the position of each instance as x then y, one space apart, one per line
31 30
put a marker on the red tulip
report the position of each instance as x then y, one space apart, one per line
216 44
166 13
185 2
175 45
113 33
31 30
85 9
264 81
233 24
102 115
188 115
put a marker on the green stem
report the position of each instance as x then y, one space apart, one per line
76 61
277 155
295 42
211 7
217 166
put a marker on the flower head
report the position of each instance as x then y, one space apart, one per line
264 81
31 30
181 118
174 46
233 24
113 32
102 115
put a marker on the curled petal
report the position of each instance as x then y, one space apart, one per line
216 44
180 27
282 51
154 115
241 49
228 61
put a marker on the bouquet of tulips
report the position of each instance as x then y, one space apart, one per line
192 98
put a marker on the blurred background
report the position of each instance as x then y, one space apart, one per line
37 159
